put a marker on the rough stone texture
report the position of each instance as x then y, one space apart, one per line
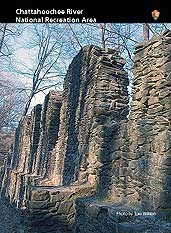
6 144
15 181
44 163
22 145
35 138
5 170
94 216
141 153
52 209
142 171
123 164
95 101
149 128
94 104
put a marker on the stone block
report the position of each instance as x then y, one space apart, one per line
38 204
66 207
40 195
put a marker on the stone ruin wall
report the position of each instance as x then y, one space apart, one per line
140 171
98 152
149 129
6 143
32 132
12 178
95 101
50 119
94 104
141 164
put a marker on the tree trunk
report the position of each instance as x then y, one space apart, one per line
103 27
28 105
3 36
145 32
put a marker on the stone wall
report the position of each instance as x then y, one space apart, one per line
34 137
5 155
40 128
50 119
22 144
81 172
149 125
15 182
140 192
142 156
94 103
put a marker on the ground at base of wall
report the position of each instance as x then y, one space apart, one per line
93 216
10 220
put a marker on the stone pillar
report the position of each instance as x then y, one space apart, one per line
34 137
26 140
19 165
141 160
95 100
147 176
44 162
14 159
22 144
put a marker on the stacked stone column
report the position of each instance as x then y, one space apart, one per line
95 102
90 146
149 127
141 168
31 162
50 120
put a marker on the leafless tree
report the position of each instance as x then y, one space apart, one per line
3 28
11 103
43 72
8 32
52 46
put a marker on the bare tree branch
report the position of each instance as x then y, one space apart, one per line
75 35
